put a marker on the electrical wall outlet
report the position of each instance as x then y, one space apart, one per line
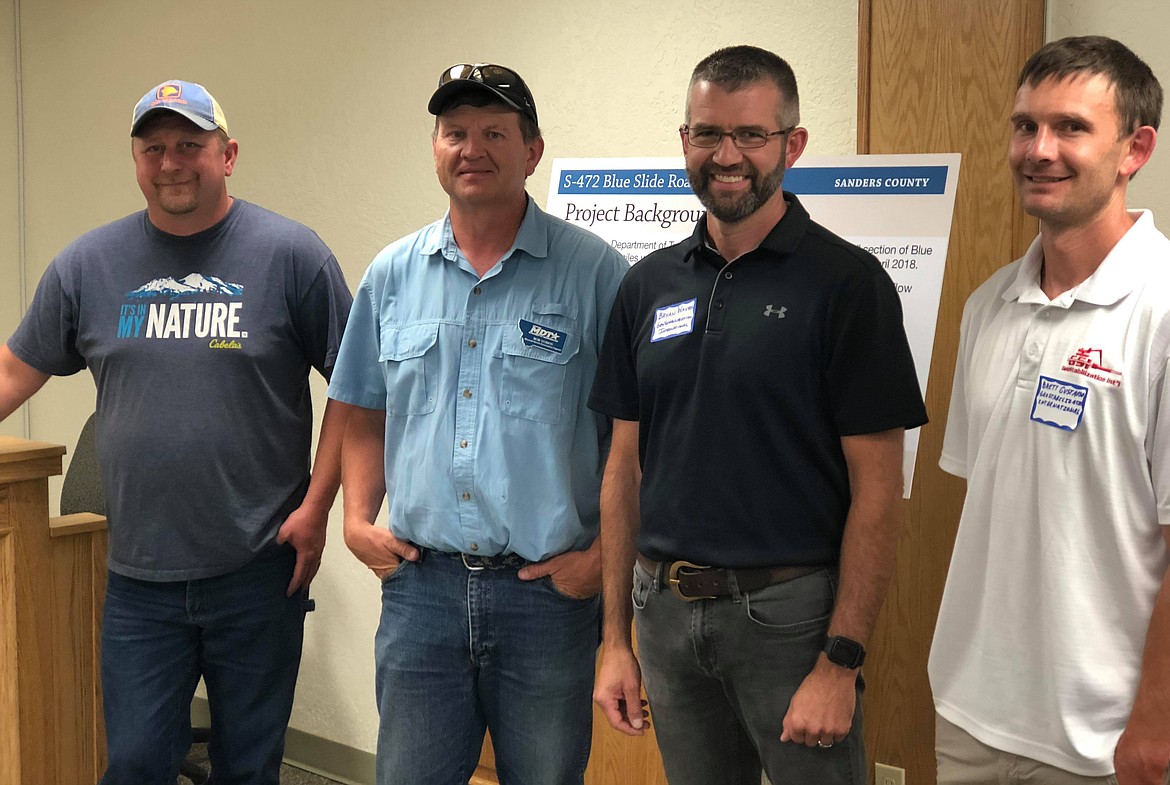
888 775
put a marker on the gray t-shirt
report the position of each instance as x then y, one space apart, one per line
200 347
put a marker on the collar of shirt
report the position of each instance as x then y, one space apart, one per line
781 241
531 237
1113 279
195 240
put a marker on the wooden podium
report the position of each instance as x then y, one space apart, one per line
52 581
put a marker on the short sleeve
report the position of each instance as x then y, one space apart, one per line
615 387
46 338
357 375
869 370
953 459
322 315
609 282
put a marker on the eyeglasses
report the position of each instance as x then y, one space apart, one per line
506 82
742 138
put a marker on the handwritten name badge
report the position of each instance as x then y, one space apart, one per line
671 321
1059 404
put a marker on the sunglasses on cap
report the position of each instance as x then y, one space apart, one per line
505 83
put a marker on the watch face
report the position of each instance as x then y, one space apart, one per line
844 651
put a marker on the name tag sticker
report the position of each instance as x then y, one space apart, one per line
674 320
1059 404
541 337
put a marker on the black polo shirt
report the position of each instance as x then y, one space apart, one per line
743 378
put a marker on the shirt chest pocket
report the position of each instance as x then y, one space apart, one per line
409 357
539 380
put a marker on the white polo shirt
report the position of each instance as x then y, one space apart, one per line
1060 421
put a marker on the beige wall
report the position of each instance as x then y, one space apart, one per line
1141 25
11 294
328 102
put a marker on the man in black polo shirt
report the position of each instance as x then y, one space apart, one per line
761 382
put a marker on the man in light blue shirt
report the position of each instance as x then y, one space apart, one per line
466 367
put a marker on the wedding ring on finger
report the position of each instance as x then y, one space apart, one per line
824 746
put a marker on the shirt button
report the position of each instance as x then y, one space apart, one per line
463 444
472 343
476 290
718 305
466 496
475 546
727 275
467 393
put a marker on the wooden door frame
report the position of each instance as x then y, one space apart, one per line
938 76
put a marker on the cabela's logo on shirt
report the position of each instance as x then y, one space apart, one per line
1088 362
177 317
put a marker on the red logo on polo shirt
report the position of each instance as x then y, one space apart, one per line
1088 362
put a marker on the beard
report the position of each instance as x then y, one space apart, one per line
178 201
733 209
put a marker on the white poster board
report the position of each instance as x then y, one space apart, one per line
898 207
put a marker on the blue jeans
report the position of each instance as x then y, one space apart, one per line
239 632
720 674
462 650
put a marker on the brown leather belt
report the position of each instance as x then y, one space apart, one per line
691 582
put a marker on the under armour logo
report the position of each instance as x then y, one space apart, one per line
769 310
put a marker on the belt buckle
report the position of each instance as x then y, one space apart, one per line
673 579
468 566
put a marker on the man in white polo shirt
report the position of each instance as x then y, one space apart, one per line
1051 659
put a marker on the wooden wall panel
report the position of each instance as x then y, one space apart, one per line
10 770
69 605
40 690
99 548
938 76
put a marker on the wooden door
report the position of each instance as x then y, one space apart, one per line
938 76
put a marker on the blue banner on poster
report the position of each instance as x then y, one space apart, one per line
820 181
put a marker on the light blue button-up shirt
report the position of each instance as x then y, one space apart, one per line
490 447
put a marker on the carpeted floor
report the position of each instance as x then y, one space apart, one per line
289 775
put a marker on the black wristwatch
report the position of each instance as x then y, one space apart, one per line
845 652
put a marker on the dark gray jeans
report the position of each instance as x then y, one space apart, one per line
721 673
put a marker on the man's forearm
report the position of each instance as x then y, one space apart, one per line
1153 695
363 475
326 477
870 543
619 527
1144 748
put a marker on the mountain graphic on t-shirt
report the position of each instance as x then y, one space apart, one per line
192 283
